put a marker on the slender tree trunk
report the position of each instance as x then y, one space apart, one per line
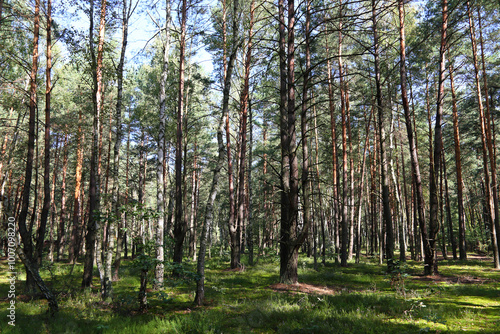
160 172
23 231
431 266
244 102
306 184
389 254
194 206
451 235
179 225
61 236
418 192
74 246
318 177
94 188
127 10
46 173
53 208
333 126
361 185
252 226
491 141
345 204
490 184
458 165
209 212
234 231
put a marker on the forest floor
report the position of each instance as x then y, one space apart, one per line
361 298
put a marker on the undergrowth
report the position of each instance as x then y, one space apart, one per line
362 298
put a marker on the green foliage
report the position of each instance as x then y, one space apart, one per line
362 300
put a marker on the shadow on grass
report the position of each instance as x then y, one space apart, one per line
353 313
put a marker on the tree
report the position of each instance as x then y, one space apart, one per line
411 138
458 163
431 266
23 231
487 150
94 184
244 103
389 252
179 226
46 173
160 167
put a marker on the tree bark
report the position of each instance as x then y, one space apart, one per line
61 236
491 140
462 249
23 231
234 228
333 126
46 173
417 178
289 241
209 211
244 102
389 250
306 184
490 184
160 167
179 225
94 188
431 265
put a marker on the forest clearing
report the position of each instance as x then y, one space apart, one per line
235 166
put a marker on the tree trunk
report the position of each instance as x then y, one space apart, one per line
333 126
234 230
490 188
209 211
306 184
462 249
431 263
23 231
345 204
52 204
33 270
451 235
46 168
94 188
389 254
127 10
412 141
160 172
252 226
289 242
491 141
179 225
74 245
61 235
244 102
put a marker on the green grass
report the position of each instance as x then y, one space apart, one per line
363 301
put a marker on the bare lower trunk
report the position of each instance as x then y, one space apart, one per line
209 211
46 173
412 141
179 225
458 165
23 230
160 167
389 249
94 188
